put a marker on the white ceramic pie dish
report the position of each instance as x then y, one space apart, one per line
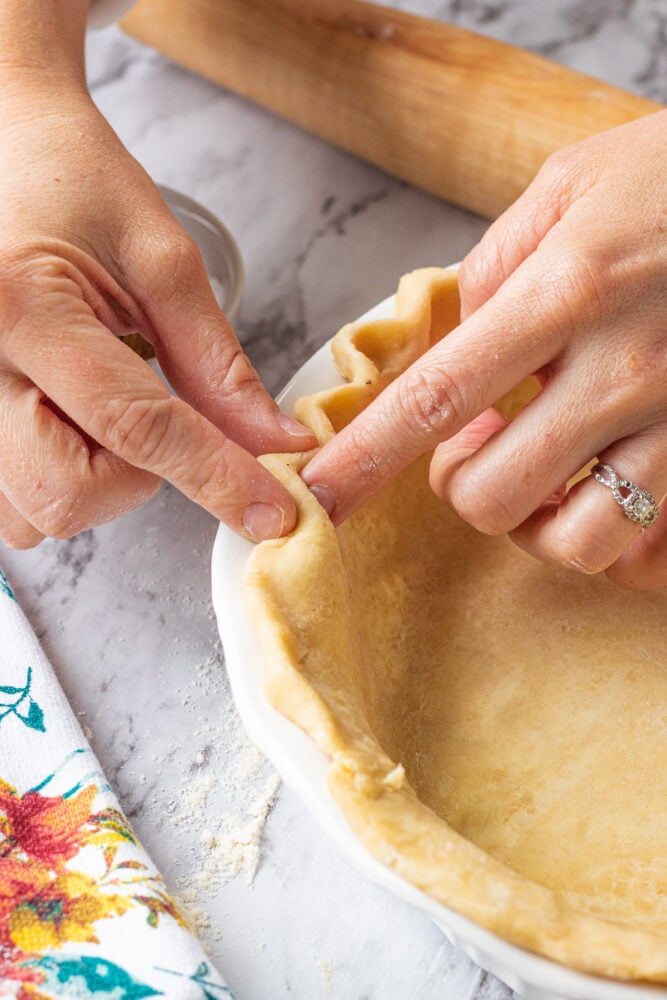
303 766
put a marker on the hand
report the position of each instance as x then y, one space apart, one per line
570 283
88 250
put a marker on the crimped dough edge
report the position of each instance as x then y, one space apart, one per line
376 799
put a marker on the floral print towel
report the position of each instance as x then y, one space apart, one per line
83 911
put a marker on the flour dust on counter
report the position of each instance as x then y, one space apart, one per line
221 801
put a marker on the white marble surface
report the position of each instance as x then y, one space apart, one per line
124 611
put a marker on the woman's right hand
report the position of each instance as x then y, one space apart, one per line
568 283
89 251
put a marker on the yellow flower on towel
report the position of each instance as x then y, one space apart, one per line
65 910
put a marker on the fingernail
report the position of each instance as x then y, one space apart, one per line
292 426
263 521
325 496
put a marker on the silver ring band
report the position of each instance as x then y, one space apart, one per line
639 505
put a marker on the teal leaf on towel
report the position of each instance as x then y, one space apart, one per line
5 588
19 700
85 978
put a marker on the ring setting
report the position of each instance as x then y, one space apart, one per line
637 504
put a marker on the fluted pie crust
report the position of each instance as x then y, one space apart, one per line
497 729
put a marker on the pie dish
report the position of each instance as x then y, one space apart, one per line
496 730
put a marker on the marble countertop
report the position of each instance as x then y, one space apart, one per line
124 611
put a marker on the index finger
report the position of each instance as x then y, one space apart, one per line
516 332
115 397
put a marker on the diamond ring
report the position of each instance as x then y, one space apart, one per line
639 505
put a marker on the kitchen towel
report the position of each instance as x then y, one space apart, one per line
84 912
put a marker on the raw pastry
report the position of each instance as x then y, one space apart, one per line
497 728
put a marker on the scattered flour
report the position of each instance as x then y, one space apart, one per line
215 791
226 766
326 970
198 920
237 844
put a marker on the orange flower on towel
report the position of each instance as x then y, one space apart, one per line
47 829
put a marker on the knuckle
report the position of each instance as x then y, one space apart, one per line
139 430
587 286
573 292
231 373
565 175
473 271
176 262
633 389
59 517
585 550
210 481
430 401
486 267
481 506
557 165
368 459
561 170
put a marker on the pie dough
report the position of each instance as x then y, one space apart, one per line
497 728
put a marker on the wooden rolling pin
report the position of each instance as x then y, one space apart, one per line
460 115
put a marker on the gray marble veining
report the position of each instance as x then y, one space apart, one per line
124 611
